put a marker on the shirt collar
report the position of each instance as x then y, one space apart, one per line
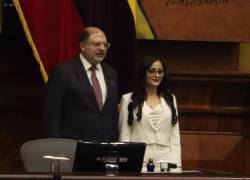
87 65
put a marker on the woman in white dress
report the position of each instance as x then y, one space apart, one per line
149 114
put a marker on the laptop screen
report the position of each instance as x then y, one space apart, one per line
100 156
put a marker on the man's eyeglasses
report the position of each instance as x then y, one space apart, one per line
99 44
155 72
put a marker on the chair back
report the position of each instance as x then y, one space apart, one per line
33 152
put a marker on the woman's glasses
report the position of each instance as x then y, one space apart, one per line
154 72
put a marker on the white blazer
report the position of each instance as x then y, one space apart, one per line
162 133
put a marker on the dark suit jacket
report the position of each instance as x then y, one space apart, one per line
71 109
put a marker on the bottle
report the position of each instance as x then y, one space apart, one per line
150 165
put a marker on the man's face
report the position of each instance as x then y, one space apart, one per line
96 48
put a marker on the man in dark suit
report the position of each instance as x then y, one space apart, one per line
81 100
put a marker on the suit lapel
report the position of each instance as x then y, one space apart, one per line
80 72
84 80
109 84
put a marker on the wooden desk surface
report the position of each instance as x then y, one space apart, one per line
191 175
155 176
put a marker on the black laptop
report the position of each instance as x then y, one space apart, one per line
109 156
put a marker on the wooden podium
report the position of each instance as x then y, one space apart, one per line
193 174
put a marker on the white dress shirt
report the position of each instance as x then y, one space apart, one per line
99 75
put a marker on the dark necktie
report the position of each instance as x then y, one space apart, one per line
96 87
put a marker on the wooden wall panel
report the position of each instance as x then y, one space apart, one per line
212 90
213 151
247 149
200 20
192 56
193 121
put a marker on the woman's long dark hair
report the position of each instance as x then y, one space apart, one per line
139 94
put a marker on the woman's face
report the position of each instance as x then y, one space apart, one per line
155 74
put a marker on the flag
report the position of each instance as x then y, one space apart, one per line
52 29
142 24
244 56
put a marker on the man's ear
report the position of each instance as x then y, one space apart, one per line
82 46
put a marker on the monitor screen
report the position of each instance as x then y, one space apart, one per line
101 156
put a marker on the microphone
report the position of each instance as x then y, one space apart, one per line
166 166
171 166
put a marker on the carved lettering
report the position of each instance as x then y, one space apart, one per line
196 2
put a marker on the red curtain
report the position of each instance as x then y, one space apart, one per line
52 28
